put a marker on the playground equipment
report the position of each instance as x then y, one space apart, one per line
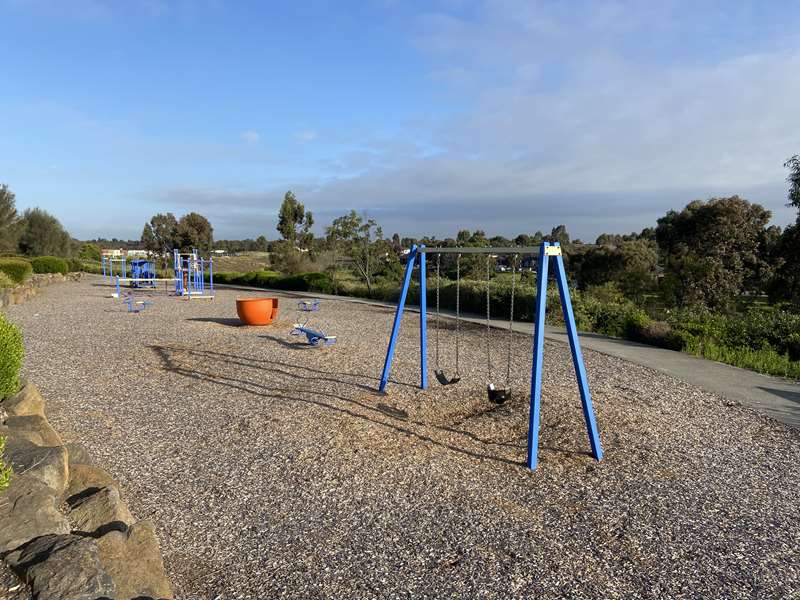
439 372
107 264
190 275
315 338
546 252
308 305
134 305
257 311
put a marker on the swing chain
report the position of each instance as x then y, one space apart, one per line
511 318
438 263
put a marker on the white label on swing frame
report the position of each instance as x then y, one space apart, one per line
552 251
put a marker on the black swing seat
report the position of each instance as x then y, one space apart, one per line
442 378
497 396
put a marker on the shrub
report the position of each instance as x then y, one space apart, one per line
5 469
75 265
18 269
6 281
11 353
50 264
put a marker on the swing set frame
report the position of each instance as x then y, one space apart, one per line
546 252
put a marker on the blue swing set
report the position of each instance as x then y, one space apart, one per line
546 252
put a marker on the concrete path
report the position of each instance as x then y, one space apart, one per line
776 397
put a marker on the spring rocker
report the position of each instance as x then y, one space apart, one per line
546 252
135 306
314 337
308 305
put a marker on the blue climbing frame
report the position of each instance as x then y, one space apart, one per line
547 252
190 274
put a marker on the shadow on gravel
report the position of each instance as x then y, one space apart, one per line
785 394
298 345
315 397
229 321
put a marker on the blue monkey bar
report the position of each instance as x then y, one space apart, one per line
546 252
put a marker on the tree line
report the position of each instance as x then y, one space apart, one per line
710 253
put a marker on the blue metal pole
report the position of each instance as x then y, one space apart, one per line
202 276
103 266
211 275
538 355
398 315
423 322
577 359
119 294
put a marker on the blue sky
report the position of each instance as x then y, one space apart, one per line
507 115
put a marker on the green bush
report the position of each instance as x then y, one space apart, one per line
304 282
50 264
74 265
5 469
6 281
11 354
18 269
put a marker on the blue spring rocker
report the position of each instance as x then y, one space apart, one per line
315 338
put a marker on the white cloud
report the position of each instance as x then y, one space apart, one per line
251 137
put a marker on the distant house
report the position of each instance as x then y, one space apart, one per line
219 252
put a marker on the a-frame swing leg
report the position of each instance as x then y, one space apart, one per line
538 352
423 324
545 253
577 359
398 315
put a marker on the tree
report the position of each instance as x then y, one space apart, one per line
712 251
793 164
43 235
785 255
160 235
89 251
293 215
362 240
632 265
559 234
9 223
195 231
261 243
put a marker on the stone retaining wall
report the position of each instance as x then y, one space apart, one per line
64 529
20 293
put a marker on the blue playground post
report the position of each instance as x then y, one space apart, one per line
118 290
538 355
423 321
211 275
577 359
398 315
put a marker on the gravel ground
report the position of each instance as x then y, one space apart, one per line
272 469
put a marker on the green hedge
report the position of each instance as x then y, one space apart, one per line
305 282
11 354
6 281
18 269
50 264
767 341
5 468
